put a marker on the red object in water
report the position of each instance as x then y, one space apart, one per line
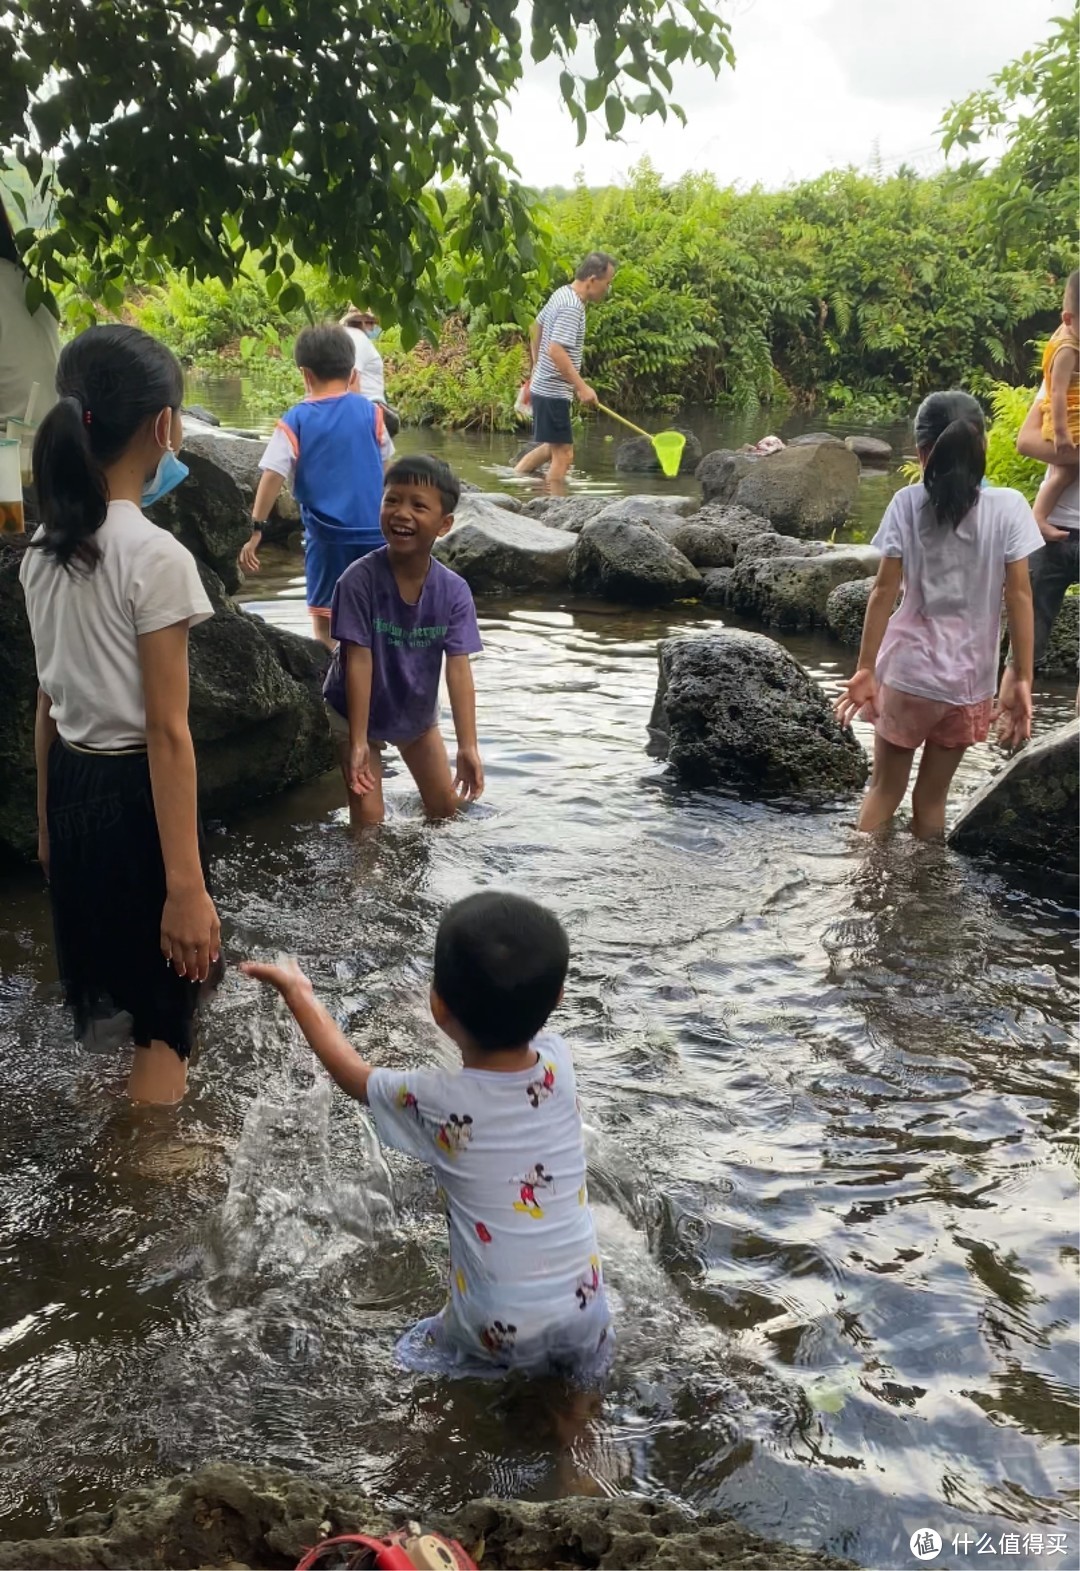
391 1553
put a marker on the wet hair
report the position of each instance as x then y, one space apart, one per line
595 265
500 965
953 427
111 381
422 469
1072 294
355 317
327 352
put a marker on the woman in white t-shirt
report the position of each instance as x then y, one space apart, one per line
928 672
110 598
363 329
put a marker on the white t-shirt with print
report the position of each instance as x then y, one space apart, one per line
944 642
86 626
509 1159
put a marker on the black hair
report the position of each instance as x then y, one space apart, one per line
111 381
1072 294
422 469
595 265
500 965
327 352
953 427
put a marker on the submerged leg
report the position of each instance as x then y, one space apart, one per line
429 766
931 792
158 1075
892 767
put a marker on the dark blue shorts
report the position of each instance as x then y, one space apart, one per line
324 562
551 421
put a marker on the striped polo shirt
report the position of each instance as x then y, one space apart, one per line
562 321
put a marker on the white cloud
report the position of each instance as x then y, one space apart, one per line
817 84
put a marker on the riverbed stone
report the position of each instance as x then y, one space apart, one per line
1027 814
494 550
805 490
717 590
240 1515
869 450
792 592
571 513
256 708
736 710
617 559
239 457
637 455
1061 652
701 544
845 610
760 547
646 508
816 439
503 499
209 514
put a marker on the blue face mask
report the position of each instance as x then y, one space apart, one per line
373 332
167 476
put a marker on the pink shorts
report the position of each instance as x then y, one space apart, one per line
906 720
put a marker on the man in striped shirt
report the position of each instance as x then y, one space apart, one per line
556 343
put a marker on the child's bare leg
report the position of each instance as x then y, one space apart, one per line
320 628
364 811
892 766
158 1075
427 762
931 792
1058 479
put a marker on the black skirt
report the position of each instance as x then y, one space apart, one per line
107 887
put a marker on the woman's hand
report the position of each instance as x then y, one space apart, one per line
285 975
190 933
249 554
1013 710
861 691
469 779
361 779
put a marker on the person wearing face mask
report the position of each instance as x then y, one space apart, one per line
363 328
110 598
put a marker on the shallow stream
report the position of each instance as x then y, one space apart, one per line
832 1099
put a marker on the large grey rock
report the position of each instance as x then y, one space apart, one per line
759 547
718 587
566 512
804 490
256 708
735 709
845 610
733 528
239 457
620 560
869 450
503 499
701 544
1061 652
648 509
792 592
495 550
637 455
1027 814
817 439
209 514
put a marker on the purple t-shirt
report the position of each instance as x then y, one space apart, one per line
407 642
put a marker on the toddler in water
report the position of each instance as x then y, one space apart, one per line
1061 406
927 673
395 614
504 1138
331 448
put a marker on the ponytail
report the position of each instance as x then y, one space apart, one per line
951 431
111 381
72 494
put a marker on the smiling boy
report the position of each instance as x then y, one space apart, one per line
395 614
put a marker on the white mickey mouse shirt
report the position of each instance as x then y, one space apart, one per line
526 1287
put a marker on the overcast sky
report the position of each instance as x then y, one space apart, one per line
816 84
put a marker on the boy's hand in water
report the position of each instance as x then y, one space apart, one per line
285 975
860 691
361 779
469 778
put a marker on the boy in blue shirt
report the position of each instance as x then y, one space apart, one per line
331 448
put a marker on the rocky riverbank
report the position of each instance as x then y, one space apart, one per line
236 1517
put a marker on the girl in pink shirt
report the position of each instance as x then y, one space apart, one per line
928 672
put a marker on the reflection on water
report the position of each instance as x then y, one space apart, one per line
831 1093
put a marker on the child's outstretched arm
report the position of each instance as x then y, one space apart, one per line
270 484
862 689
469 776
327 1041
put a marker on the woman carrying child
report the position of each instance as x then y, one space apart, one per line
927 673
110 598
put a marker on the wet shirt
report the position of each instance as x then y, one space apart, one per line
944 641
562 321
526 1288
407 642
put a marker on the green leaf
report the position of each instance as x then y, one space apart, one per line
595 91
615 111
291 298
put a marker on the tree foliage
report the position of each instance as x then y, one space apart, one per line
185 134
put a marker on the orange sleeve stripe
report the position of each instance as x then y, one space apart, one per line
380 425
294 441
